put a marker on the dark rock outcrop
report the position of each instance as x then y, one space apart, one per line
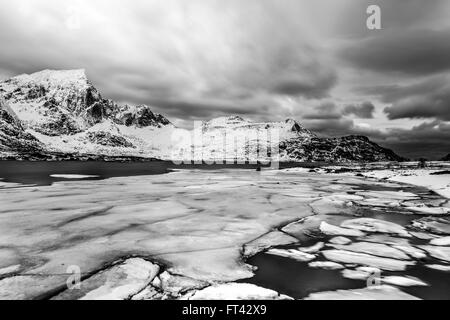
139 116
108 139
344 149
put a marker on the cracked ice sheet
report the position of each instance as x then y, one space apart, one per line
197 232
119 282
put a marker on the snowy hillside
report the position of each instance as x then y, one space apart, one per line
67 114
13 138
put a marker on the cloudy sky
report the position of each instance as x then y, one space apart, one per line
315 61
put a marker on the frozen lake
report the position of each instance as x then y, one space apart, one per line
138 233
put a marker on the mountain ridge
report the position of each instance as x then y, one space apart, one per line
65 113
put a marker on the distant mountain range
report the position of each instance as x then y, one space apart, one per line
61 112
446 158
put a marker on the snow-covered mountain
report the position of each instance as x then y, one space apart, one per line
62 112
65 102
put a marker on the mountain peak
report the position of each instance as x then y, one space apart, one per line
61 78
226 121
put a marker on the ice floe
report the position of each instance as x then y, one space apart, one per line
293 254
438 225
423 235
439 267
377 249
340 240
73 176
357 274
443 241
375 225
425 210
237 291
332 230
327 265
383 292
438 252
344 256
412 251
403 281
385 238
312 249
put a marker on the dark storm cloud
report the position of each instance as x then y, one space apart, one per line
318 88
430 140
177 54
429 98
330 127
200 109
414 52
267 59
324 111
364 110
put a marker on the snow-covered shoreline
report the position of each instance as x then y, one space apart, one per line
439 183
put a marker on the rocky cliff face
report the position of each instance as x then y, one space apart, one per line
13 138
62 112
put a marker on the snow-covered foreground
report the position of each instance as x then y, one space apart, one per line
185 234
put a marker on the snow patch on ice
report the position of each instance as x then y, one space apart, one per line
73 176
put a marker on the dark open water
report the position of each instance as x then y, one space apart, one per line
38 172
